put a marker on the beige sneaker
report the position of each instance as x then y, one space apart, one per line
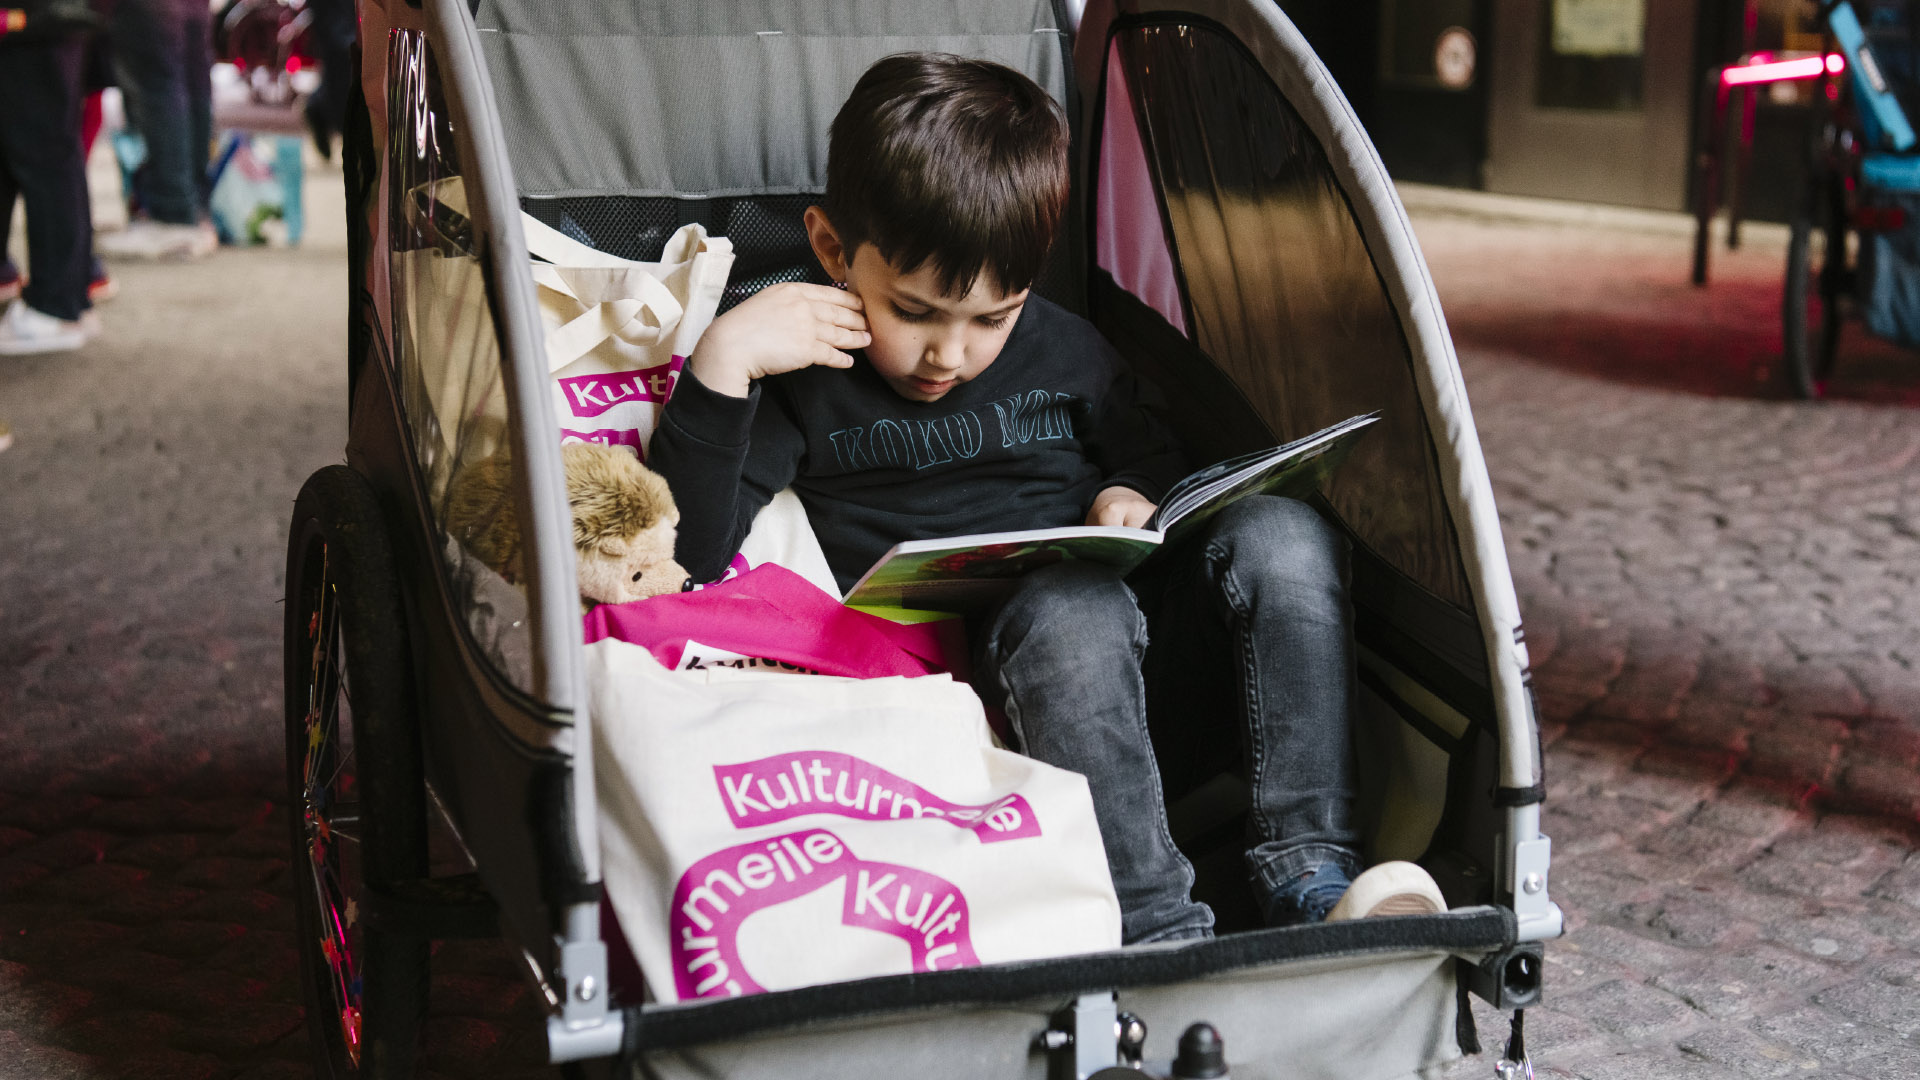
6 435
1392 888
146 239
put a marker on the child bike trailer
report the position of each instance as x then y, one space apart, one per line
1232 232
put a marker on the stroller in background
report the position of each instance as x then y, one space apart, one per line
1231 231
1854 239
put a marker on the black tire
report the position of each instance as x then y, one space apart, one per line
358 800
1811 305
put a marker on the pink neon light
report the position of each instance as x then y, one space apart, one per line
1768 71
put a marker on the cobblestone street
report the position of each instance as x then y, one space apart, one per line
1719 586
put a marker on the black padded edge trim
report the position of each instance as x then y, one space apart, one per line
1508 797
549 814
664 1027
1465 1031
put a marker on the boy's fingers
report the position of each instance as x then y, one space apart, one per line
828 356
827 294
841 337
836 315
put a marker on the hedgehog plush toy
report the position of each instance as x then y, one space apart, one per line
623 522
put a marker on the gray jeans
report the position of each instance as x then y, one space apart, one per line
1240 641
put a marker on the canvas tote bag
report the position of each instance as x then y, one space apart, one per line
618 331
763 831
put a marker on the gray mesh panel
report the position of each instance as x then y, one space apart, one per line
716 99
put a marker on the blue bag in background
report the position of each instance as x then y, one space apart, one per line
256 189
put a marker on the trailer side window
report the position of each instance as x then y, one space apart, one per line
446 359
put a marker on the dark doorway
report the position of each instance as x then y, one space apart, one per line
1430 111
1415 73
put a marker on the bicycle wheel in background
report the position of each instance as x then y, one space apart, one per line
1818 276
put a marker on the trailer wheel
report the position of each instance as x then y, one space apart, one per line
356 794
1817 273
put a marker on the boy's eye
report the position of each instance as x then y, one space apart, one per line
912 316
995 322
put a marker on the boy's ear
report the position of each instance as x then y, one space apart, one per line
826 244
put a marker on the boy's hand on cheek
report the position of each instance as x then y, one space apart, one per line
1121 506
780 328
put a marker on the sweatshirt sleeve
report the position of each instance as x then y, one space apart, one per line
1131 446
724 458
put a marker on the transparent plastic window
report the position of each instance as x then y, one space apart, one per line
446 356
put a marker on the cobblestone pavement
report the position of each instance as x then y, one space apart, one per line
1719 588
145 927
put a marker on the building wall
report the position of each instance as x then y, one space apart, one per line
1595 100
1592 100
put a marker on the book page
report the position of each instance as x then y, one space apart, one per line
967 573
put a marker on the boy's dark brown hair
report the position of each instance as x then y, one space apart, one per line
943 158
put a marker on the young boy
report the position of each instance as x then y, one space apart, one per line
936 396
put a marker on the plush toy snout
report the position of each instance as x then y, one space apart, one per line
617 571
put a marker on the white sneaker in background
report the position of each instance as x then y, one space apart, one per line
6 435
159 240
1392 888
25 332
206 241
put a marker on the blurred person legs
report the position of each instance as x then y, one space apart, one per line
100 286
334 28
96 74
163 52
41 160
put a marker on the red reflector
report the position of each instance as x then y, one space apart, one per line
1762 68
1808 67
1880 218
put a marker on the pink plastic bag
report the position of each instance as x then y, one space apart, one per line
772 613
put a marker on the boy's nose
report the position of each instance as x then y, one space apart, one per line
946 356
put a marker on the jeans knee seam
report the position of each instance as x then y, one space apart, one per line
1008 704
1251 702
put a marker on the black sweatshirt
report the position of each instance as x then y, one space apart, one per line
1025 445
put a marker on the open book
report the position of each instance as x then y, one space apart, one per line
961 573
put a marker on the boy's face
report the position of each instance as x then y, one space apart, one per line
924 343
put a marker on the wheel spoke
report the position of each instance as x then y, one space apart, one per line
344 821
331 820
340 766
